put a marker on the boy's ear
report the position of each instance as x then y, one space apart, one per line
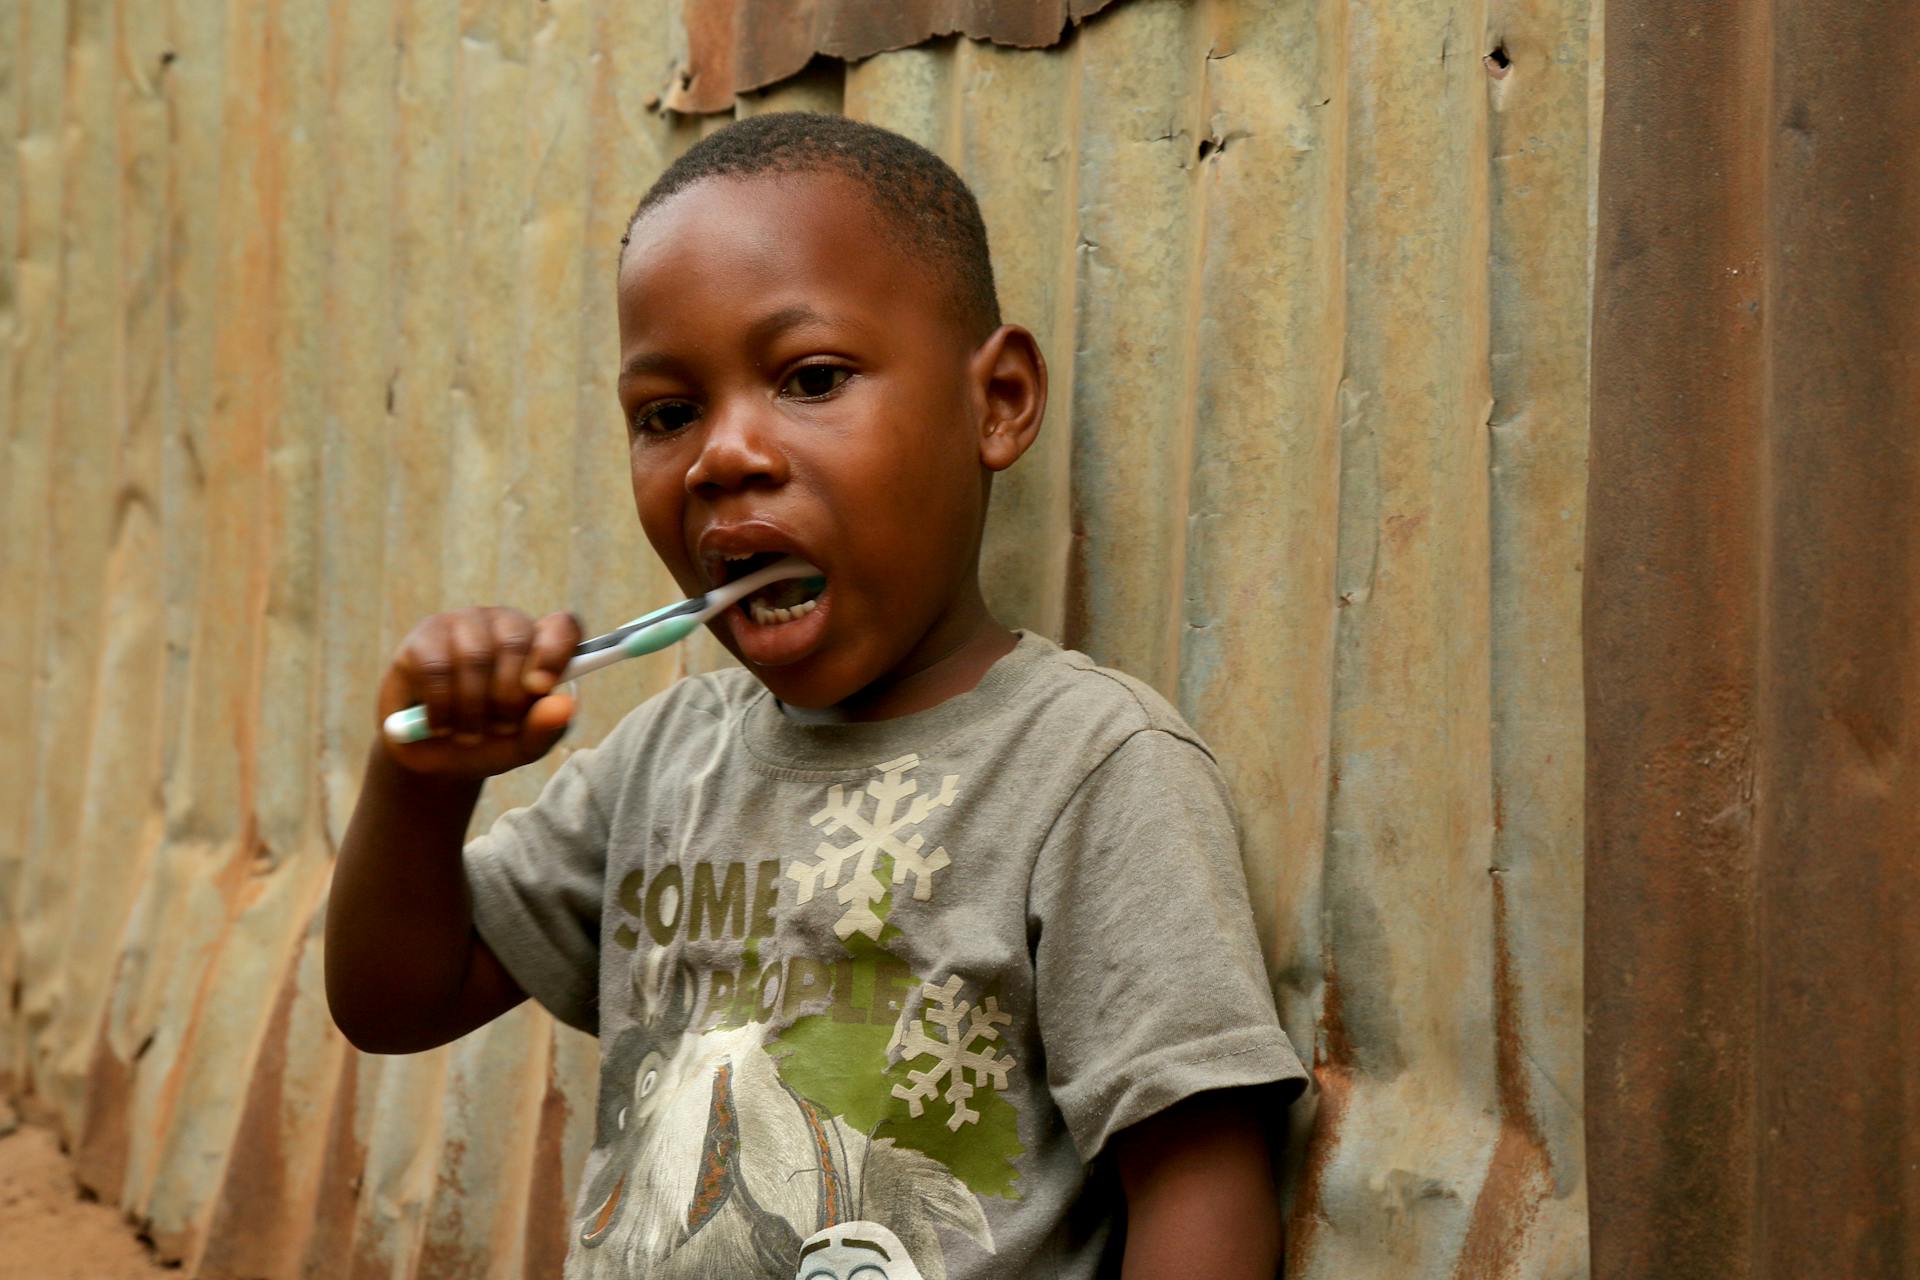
1010 388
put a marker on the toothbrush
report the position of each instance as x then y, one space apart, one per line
645 634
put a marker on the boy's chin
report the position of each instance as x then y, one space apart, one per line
806 690
819 682
806 676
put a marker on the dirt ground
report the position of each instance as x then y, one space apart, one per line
47 1230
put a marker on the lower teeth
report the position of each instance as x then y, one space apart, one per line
767 617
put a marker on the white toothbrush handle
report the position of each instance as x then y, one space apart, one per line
587 663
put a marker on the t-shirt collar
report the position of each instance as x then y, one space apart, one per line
778 738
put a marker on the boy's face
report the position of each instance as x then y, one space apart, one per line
794 383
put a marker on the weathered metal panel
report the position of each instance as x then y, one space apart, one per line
80 466
734 46
1752 608
1408 1012
1531 1209
38 72
311 309
20 519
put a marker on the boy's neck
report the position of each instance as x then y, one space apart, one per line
950 661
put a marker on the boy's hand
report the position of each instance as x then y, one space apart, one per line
485 676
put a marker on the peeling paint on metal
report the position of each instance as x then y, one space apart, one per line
737 46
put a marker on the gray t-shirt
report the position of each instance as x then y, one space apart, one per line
879 994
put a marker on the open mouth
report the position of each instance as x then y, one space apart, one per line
778 602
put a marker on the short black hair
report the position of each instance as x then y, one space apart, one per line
917 195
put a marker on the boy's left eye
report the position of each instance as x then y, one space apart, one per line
814 381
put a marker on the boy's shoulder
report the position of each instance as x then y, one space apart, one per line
1106 705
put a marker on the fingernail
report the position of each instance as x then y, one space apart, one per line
537 681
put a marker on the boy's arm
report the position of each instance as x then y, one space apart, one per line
1201 1198
405 970
1154 1006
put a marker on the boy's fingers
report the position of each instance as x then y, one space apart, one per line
428 665
512 638
546 721
472 646
554 639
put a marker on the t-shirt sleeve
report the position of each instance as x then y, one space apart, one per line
537 882
1148 979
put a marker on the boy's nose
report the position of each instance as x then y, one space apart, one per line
739 449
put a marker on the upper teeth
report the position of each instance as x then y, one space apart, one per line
745 555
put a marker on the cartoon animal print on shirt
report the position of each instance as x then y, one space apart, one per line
856 1251
713 1166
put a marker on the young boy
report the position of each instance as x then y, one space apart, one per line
916 947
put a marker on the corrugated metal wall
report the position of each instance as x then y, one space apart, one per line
306 316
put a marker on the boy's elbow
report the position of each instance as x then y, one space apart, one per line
362 1031
357 1037
383 1009
363 1011
371 1034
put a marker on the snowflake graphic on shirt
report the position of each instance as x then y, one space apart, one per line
852 870
893 1053
962 1026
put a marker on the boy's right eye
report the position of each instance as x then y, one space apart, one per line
664 417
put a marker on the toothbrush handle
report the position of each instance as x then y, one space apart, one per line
410 724
587 663
645 640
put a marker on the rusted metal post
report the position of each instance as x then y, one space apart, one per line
1753 929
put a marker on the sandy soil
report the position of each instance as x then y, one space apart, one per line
47 1230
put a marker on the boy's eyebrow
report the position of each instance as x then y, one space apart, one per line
775 323
646 362
759 334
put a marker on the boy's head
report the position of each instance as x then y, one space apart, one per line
923 207
812 363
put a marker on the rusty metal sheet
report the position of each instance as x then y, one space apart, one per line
1314 466
36 82
736 46
1752 599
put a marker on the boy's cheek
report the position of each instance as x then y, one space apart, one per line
656 498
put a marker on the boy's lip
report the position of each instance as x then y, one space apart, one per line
781 643
717 542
